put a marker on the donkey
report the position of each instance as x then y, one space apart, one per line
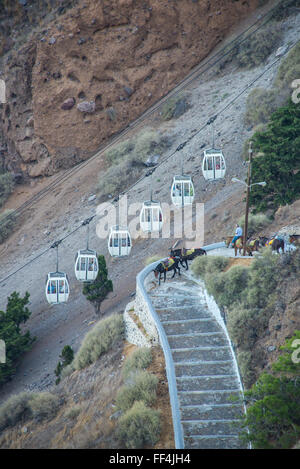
165 266
294 239
186 255
275 243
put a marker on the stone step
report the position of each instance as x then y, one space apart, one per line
221 367
169 303
213 442
222 396
211 412
210 383
204 339
180 313
211 427
191 326
201 354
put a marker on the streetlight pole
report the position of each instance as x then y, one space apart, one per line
247 199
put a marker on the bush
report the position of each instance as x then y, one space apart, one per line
7 224
289 69
257 48
279 166
242 326
154 258
104 335
6 187
27 405
174 107
141 388
16 342
261 103
256 222
140 426
244 359
228 287
202 265
138 360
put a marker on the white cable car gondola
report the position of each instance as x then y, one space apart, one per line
57 285
86 261
57 288
151 216
119 241
86 265
182 191
213 165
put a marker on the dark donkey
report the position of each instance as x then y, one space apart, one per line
186 255
166 266
275 243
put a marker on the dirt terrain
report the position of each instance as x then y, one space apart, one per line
94 69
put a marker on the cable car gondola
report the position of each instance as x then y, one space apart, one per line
86 261
182 191
57 288
213 165
57 285
119 241
151 216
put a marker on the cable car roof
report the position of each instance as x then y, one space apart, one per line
151 203
57 275
182 179
118 228
213 151
87 252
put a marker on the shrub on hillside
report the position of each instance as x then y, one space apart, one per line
289 69
26 405
104 335
140 359
202 265
7 224
257 48
154 258
175 107
6 186
261 103
279 166
141 388
139 426
256 222
228 287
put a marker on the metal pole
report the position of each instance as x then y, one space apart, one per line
87 236
247 199
57 258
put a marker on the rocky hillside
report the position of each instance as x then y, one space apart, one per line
82 74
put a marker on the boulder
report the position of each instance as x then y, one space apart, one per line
86 106
68 104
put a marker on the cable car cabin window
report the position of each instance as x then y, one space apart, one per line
83 263
116 242
128 241
61 286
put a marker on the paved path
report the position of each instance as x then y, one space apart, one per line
205 370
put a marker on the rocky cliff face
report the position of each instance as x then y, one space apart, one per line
97 67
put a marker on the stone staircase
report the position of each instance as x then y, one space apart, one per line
205 371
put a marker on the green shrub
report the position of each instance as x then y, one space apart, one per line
7 224
26 405
73 412
140 426
244 359
140 359
174 107
119 151
256 222
16 341
67 356
228 287
289 69
279 166
141 388
6 187
104 335
202 265
257 48
242 326
154 258
261 103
